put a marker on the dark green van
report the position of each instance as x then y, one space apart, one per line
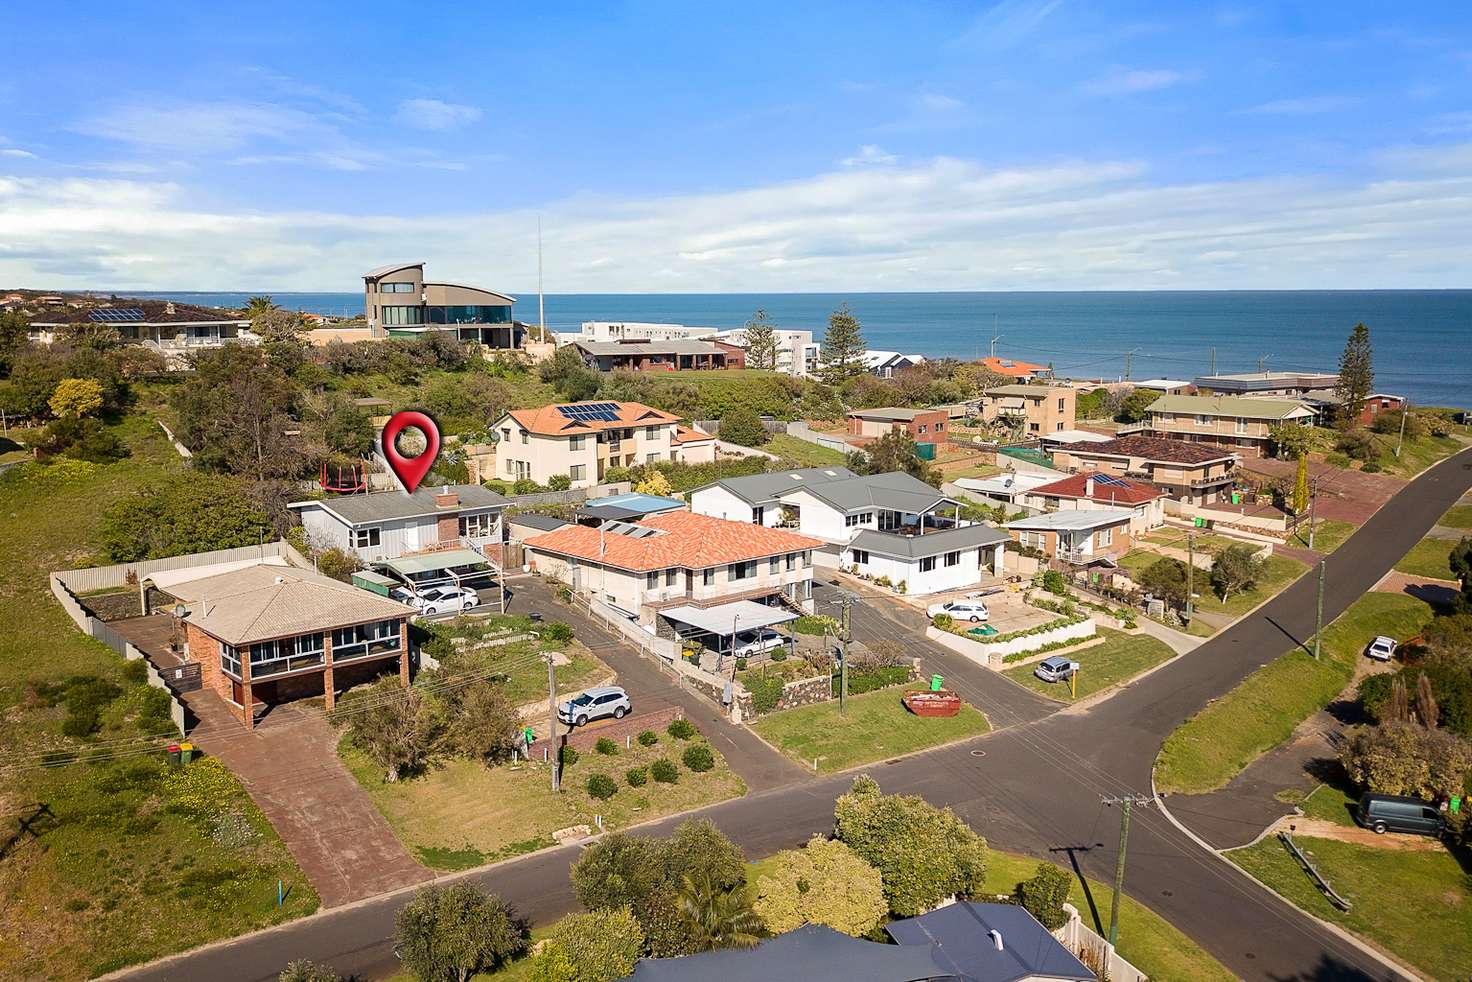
1382 813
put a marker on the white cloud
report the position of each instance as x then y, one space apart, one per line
201 127
869 153
432 114
1301 107
17 153
1006 24
934 102
938 224
1125 81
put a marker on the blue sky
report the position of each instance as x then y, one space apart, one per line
1028 144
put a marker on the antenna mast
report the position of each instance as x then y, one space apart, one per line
541 304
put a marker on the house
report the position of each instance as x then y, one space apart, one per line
896 526
1195 473
1226 422
754 497
1079 536
634 331
390 524
960 942
797 353
1327 403
399 303
1264 383
660 356
584 440
1037 409
1010 488
887 364
1166 385
1095 491
1022 371
679 573
626 508
266 633
170 328
925 425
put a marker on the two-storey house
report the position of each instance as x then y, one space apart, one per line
1037 409
1194 473
1077 537
584 440
1243 426
1094 491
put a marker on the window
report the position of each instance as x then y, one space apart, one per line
651 432
578 472
361 640
807 558
650 458
742 571
1033 427
576 443
286 654
953 559
366 537
922 427
757 514
791 561
651 579
402 315
927 564
230 659
1106 537
862 518
469 314
475 526
774 565
669 577
523 437
939 427
1202 420
708 577
861 557
1241 425
396 288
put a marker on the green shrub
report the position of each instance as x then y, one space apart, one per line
779 654
826 883
741 664
698 758
943 621
570 756
664 771
648 738
599 946
602 786
766 692
681 729
1045 894
869 679
1371 467
559 482
525 485
606 747
556 631
1054 583
636 776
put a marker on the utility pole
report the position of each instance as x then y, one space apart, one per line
1262 361
846 602
1319 617
1128 357
541 308
1405 409
1313 501
1190 572
1124 838
994 342
1213 360
553 749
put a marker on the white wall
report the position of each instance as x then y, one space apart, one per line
821 520
964 574
717 502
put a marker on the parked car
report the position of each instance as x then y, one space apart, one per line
749 643
1381 813
403 596
1054 668
962 610
440 598
596 703
1381 649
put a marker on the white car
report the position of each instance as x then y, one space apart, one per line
750 643
442 598
962 610
1381 649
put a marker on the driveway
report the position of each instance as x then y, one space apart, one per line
1344 495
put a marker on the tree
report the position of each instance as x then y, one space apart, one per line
1356 375
1460 561
302 970
722 916
654 482
483 723
923 853
896 451
450 933
742 427
599 946
258 305
1045 894
402 729
826 883
697 848
235 412
1406 759
181 515
618 870
276 325
1291 439
570 375
81 439
843 347
1300 486
14 333
761 342
1235 569
469 402
1136 405
1165 578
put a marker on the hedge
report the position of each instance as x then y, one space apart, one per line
873 678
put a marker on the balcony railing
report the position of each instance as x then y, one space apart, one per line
281 666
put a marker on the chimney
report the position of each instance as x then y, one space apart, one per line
1088 487
996 937
446 498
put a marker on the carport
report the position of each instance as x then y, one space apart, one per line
450 567
725 621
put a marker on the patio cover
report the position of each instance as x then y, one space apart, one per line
743 615
434 562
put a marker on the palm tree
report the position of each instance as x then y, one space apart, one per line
722 918
258 305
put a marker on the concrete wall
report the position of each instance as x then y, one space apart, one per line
104 577
992 655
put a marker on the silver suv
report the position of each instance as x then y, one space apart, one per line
605 700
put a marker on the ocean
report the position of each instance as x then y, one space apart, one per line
1422 338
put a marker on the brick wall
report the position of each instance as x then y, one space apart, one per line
584 739
206 650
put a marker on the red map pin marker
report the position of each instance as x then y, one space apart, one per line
411 470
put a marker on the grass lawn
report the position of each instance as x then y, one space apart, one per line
462 814
1332 803
1429 557
973 470
1328 535
1416 455
96 890
1205 541
1278 572
1120 658
1428 923
876 726
1214 745
1458 517
526 672
801 451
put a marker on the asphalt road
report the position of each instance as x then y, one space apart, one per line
1036 789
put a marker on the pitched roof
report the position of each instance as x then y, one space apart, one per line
1229 406
532 520
896 490
1105 487
262 602
1152 448
761 489
1031 391
963 940
386 506
812 951
550 421
689 434
893 413
1011 367
682 540
931 543
1072 521
153 312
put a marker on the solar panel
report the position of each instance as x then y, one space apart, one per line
109 315
1111 481
602 411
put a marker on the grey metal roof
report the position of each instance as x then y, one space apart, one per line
761 489
890 414
896 490
931 543
386 506
960 938
811 952
545 523
374 274
1076 520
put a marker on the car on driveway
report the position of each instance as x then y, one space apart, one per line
1054 668
1381 649
749 643
595 703
962 610
437 599
1381 813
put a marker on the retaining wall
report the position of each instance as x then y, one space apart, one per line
106 577
619 731
992 655
1094 951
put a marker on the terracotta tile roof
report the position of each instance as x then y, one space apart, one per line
549 421
1151 448
687 434
1106 488
1011 367
689 541
153 312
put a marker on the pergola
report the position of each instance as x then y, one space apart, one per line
725 621
446 567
